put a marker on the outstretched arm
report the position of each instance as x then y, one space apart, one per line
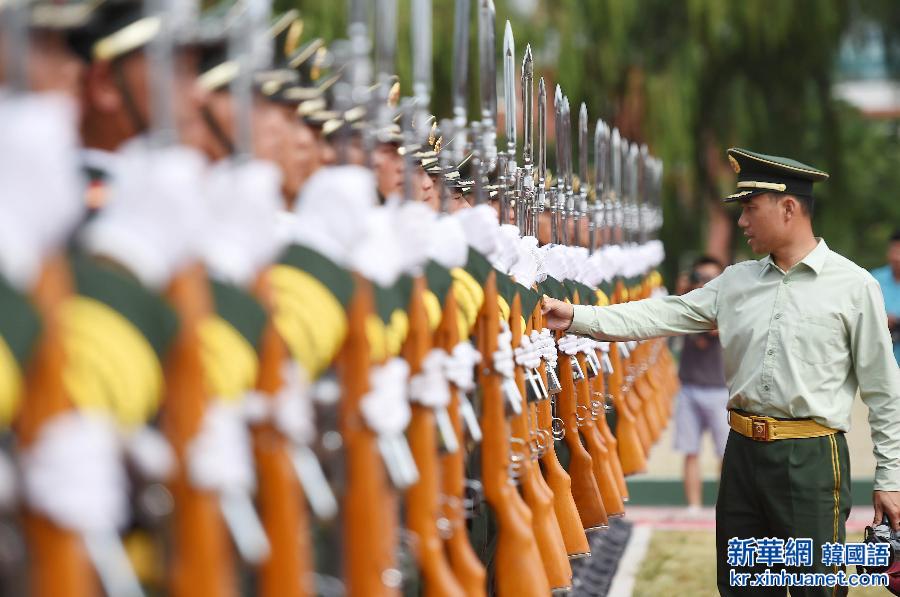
695 311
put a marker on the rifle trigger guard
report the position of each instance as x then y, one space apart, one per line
557 428
579 420
597 407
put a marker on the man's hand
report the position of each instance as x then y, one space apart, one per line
887 503
558 313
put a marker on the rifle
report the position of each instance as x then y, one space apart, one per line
558 479
422 498
585 489
467 568
369 556
281 500
537 494
203 560
585 414
630 429
597 447
58 562
517 561
605 399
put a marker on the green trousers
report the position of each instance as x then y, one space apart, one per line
789 488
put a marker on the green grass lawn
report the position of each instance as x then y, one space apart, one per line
684 563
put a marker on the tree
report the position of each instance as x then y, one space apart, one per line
691 79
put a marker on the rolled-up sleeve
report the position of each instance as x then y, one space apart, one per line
693 312
879 383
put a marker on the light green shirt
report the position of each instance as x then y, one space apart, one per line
796 344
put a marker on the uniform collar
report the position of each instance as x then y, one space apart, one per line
814 260
99 161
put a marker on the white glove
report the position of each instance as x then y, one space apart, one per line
220 457
333 210
244 201
39 197
447 245
155 217
74 474
481 227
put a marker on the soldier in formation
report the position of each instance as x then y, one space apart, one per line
270 328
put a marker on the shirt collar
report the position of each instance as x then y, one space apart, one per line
814 260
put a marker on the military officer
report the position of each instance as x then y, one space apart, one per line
802 330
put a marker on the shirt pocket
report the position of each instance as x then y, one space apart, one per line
818 340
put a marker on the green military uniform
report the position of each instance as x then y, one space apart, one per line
797 346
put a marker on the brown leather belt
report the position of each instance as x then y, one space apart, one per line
767 429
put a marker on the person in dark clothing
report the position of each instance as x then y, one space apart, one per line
701 404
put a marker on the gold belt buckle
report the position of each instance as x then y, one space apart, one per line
760 429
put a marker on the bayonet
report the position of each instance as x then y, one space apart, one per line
408 117
460 72
657 199
161 54
633 155
625 201
488 74
559 197
444 159
509 88
615 152
581 208
14 19
506 164
386 41
358 34
644 195
477 164
607 191
568 205
421 45
248 33
525 179
385 52
541 198
596 214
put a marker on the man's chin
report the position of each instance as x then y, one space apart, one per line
756 247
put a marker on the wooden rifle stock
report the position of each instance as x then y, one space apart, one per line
610 440
631 447
606 481
581 466
646 395
558 479
537 494
58 562
656 378
367 552
467 568
203 562
288 571
517 561
631 422
423 498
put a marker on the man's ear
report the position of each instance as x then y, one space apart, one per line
790 205
100 87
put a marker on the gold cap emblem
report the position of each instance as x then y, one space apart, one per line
292 39
394 95
734 164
